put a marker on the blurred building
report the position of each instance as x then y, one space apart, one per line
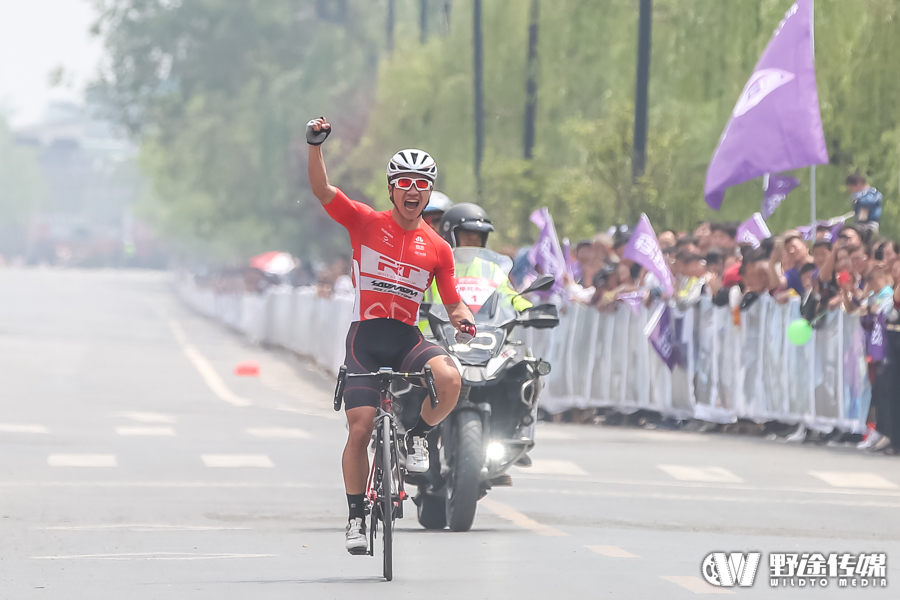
90 170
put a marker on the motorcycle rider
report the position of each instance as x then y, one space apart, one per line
468 226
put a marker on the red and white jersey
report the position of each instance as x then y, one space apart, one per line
392 268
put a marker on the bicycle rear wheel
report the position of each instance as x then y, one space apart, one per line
387 497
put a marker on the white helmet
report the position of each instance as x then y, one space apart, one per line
414 161
438 203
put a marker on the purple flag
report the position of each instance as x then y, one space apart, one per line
632 299
836 223
775 125
874 326
753 231
546 252
643 248
775 189
662 335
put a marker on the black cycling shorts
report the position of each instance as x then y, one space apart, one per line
378 343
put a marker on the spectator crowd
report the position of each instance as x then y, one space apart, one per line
847 267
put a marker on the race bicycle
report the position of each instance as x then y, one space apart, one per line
384 490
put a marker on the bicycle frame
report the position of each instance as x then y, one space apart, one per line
385 491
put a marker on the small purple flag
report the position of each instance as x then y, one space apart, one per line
753 231
775 189
662 335
874 326
832 235
546 252
776 125
836 223
632 299
643 248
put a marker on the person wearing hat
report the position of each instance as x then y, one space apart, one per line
468 226
438 204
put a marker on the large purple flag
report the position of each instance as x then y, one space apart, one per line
546 252
753 231
775 189
643 248
775 125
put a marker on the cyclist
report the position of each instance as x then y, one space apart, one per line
395 259
438 204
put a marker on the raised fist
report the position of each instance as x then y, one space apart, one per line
317 131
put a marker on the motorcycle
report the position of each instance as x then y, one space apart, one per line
492 426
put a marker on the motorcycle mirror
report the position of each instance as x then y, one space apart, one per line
542 284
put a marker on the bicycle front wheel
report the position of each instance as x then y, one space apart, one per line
387 497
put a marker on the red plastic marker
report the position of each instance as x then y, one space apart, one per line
248 368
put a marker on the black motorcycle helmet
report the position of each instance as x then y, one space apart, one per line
466 217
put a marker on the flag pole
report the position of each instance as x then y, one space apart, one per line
812 168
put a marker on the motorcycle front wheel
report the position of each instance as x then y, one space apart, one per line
466 460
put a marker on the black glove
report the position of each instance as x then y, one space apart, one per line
315 138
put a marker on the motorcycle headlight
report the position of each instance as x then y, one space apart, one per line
543 368
495 451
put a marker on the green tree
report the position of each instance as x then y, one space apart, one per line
220 91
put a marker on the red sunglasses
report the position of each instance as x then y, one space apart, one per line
404 183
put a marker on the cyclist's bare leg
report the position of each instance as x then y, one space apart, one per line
447 383
355 460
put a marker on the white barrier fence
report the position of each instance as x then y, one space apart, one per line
747 371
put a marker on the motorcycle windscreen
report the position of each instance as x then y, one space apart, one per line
475 291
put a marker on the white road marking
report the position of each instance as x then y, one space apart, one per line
19 428
161 431
81 460
236 460
612 551
686 473
696 585
279 432
151 556
207 372
510 514
290 485
148 417
857 502
325 413
140 527
553 467
854 479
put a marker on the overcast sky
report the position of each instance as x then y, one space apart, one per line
36 36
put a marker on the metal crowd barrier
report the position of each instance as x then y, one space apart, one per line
747 371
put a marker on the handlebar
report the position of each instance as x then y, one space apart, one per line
385 376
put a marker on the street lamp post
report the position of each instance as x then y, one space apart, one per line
639 155
479 92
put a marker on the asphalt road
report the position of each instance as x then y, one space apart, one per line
135 464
